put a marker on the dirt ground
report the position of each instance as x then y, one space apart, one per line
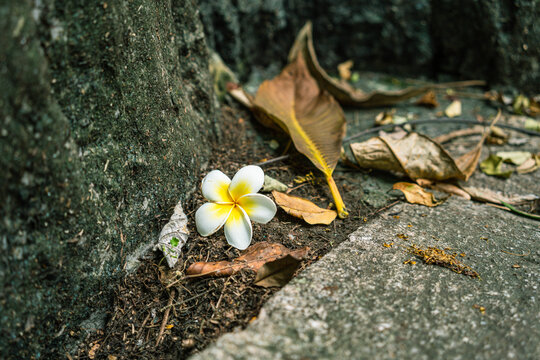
202 309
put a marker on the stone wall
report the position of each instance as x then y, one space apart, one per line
106 111
493 40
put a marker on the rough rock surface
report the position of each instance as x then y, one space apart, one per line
495 40
362 301
105 109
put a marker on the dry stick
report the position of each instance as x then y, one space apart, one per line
415 122
510 253
165 318
221 296
459 133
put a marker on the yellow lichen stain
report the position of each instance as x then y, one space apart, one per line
480 308
436 256
403 236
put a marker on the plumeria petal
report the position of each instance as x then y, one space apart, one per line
210 217
215 187
238 229
247 180
259 208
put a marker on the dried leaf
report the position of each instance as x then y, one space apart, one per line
493 166
253 258
450 189
385 118
487 195
304 209
277 272
271 184
429 99
344 69
454 109
530 165
531 124
416 195
174 235
417 156
312 118
514 157
345 93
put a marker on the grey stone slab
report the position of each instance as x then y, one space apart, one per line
361 300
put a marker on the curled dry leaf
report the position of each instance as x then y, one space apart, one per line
304 209
312 118
487 195
514 157
174 235
271 184
530 165
493 165
253 258
416 195
345 93
277 272
429 100
454 109
415 155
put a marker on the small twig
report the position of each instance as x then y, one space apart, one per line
509 253
459 133
221 296
165 318
386 207
185 301
271 161
296 187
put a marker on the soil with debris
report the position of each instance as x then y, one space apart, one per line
199 310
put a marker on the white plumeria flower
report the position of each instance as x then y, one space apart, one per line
233 204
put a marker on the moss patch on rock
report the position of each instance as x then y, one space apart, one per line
105 112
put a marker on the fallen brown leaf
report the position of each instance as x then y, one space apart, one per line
429 99
416 195
277 272
345 93
417 156
311 116
304 209
253 258
488 195
532 164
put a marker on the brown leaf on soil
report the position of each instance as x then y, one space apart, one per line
416 195
304 209
311 116
345 93
429 100
253 258
277 272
